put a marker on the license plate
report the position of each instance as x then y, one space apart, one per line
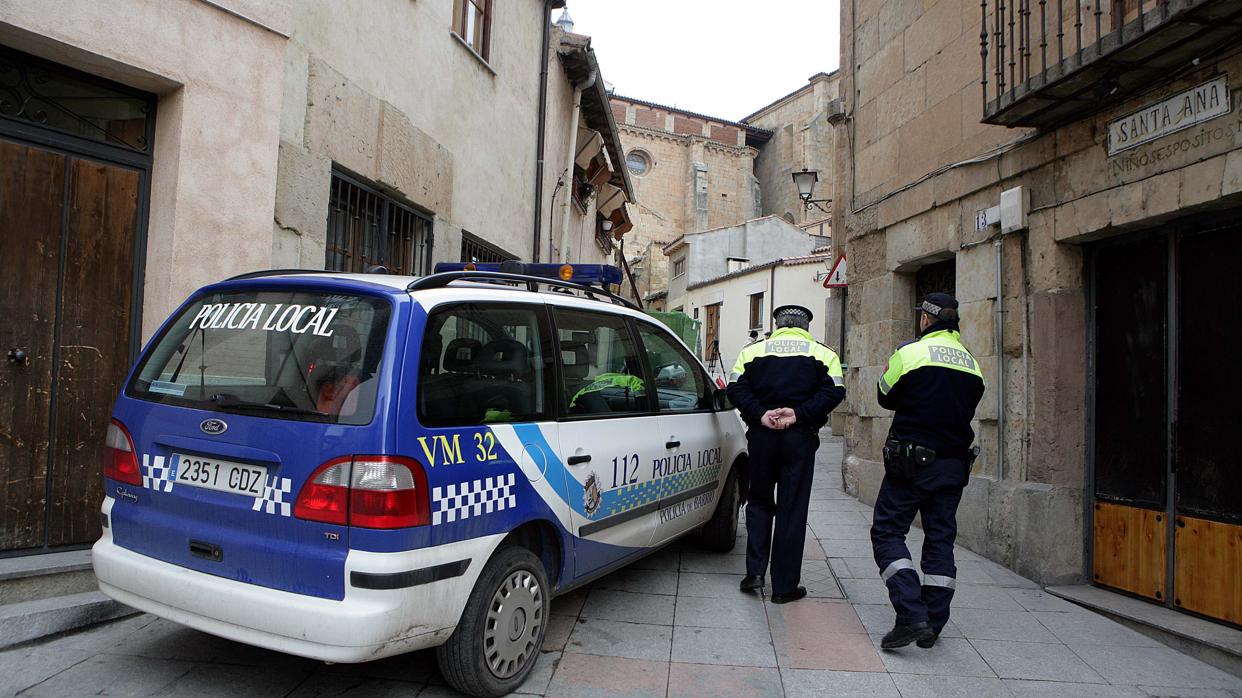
222 475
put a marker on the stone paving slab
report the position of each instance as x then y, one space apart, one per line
675 624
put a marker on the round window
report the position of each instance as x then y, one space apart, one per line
638 162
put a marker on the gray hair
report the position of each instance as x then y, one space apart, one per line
798 320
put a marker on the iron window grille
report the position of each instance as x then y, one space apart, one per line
367 229
62 99
474 249
1046 62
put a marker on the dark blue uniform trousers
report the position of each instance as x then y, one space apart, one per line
934 492
785 461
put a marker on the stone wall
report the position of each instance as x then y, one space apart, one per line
801 137
700 176
916 166
218 117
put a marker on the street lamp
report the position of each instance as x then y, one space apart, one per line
805 181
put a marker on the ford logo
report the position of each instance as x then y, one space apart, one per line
213 426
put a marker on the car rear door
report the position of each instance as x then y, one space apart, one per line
235 404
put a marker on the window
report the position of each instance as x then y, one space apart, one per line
484 364
367 229
756 311
600 364
472 21
679 380
474 249
938 277
712 331
679 267
638 162
298 355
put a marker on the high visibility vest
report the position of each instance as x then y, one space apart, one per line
942 349
790 342
610 380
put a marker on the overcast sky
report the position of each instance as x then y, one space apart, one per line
723 58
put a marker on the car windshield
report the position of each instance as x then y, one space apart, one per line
284 354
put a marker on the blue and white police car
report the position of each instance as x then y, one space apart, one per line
346 467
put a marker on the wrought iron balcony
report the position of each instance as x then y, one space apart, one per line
1048 62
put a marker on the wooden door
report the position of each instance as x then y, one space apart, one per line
66 288
1131 418
1207 467
32 193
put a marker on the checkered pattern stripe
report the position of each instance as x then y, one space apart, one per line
642 493
474 498
275 497
157 473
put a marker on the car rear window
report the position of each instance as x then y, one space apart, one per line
299 355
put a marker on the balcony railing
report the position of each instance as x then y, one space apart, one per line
1047 62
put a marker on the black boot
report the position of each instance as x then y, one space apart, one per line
751 582
902 635
929 642
797 593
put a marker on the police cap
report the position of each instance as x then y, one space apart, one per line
935 304
795 310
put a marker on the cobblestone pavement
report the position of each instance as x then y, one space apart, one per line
675 624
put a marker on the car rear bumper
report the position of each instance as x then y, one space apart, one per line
369 623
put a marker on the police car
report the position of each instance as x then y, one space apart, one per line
346 467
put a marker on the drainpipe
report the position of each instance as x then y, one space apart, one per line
998 245
571 154
545 19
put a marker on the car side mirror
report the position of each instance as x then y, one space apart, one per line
720 401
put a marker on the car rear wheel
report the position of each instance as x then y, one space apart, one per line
719 534
501 630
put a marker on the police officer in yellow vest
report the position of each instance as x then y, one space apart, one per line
933 386
784 388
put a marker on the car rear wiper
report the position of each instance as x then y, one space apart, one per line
230 402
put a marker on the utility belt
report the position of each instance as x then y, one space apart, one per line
903 459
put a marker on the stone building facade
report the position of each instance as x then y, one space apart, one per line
205 138
802 137
690 172
1081 316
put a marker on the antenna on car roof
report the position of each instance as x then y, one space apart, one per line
378 269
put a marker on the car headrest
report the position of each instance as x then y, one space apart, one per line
343 346
504 357
433 345
575 360
461 354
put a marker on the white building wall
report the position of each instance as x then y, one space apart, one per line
794 283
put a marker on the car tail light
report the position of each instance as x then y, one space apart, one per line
388 492
120 460
325 496
367 491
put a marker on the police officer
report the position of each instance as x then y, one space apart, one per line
933 386
784 388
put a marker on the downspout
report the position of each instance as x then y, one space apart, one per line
998 245
772 293
541 128
571 153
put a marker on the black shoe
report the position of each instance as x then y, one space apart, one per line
797 593
751 582
902 635
929 642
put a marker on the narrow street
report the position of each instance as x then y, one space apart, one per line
675 624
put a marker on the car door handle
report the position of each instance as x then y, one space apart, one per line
671 444
578 460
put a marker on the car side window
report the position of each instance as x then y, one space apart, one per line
600 364
484 364
679 381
